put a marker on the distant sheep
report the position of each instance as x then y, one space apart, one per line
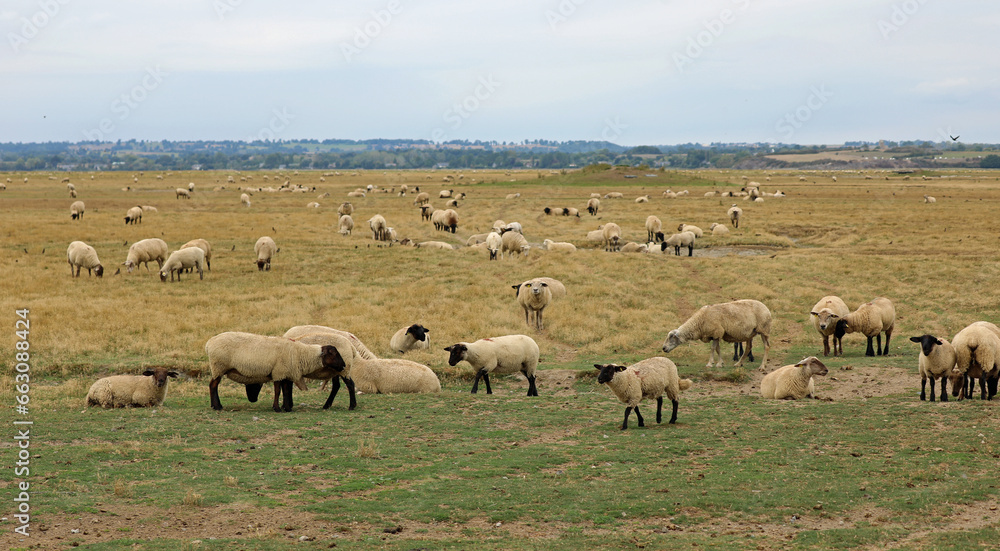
614 195
682 239
929 199
793 382
264 248
642 199
570 211
76 210
191 187
444 194
612 235
513 226
345 225
735 213
435 245
936 361
558 246
182 259
81 255
513 243
500 355
870 319
245 200
412 337
693 229
345 208
648 379
513 196
593 205
422 199
357 193
654 229
736 321
825 315
378 227
119 391
204 246
718 230
133 216
181 192
494 244
141 252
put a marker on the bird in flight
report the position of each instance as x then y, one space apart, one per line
954 138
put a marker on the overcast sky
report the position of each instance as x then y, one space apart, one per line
632 72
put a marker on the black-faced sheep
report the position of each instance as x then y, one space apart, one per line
264 248
81 255
648 379
678 240
500 355
870 319
76 210
936 361
413 337
133 216
825 315
654 229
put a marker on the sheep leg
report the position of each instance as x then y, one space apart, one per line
737 351
944 389
878 344
625 422
538 320
659 409
923 386
838 346
673 414
253 391
711 353
532 389
277 394
286 386
690 250
991 385
767 348
639 416
486 379
213 392
826 345
871 351
982 387
750 349
888 333
334 387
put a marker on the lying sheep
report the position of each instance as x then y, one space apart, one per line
693 229
76 210
642 199
682 239
533 297
513 196
870 319
451 203
245 200
120 391
793 382
570 211
81 255
435 245
612 235
498 226
936 361
357 193
977 355
182 259
500 355
654 229
929 199
393 376
264 248
494 243
648 379
825 315
252 359
313 205
413 337
445 193
141 252
204 246
633 247
558 246
513 243
735 213
736 321
345 225
593 205
614 195
149 208
718 230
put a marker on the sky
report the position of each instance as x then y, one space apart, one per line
631 72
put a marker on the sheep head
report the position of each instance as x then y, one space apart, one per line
607 372
673 341
458 352
418 331
927 343
332 359
813 364
160 375
826 317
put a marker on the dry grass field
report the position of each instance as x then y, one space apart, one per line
868 466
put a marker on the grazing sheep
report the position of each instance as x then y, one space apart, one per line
533 297
735 213
141 252
593 205
72 192
494 244
264 248
736 321
191 187
203 245
682 239
825 314
648 379
181 259
120 391
709 194
642 199
500 355
378 226
245 200
977 355
718 230
654 229
513 243
936 361
792 382
133 216
476 239
570 211
632 247
435 245
452 203
181 192
413 337
252 359
513 196
70 187
346 224
870 319
422 199
693 229
81 255
612 235
498 226
560 246
929 199
445 220
345 208
76 210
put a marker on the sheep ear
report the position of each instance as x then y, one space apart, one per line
515 286
449 348
148 372
173 374
916 339
598 366
620 368
813 314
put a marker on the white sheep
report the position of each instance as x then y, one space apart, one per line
245 200
500 355
870 319
718 230
654 229
191 187
378 227
81 255
612 235
411 337
498 226
977 354
149 208
513 226
534 296
422 199
119 391
936 361
693 229
648 379
393 376
251 359
204 246
793 382
633 247
614 195
735 213
593 205
302 330
313 205
357 193
182 259
445 193
738 321
929 199
682 239
141 252
559 246
435 245
346 224
494 244
76 210
571 211
825 314
345 208
181 192
445 220
511 196
596 236
133 216
264 248
513 243
642 199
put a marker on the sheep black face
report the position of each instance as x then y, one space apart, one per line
663 246
658 237
607 372
260 265
927 343
160 375
457 353
332 359
840 329
419 332
453 227
99 271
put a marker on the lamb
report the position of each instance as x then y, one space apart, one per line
871 319
793 382
346 224
494 243
204 246
654 229
252 359
825 315
119 391
513 242
682 239
500 355
141 252
413 337
593 205
734 215
422 199
648 379
378 226
560 246
181 259
81 255
736 321
76 210
265 248
181 192
936 361
929 199
612 235
718 230
345 208
245 200
533 297
452 203
435 245
632 247
977 354
693 229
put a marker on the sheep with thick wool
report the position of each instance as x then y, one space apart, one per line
133 215
633 247
204 246
513 242
393 376
871 319
825 314
181 192
654 229
81 255
936 361
359 347
718 230
738 321
494 244
793 382
245 200
693 229
556 287
182 259
422 198
593 205
533 297
141 252
500 355
378 227
612 235
264 248
345 225
323 337
559 246
76 210
648 379
251 359
678 240
977 355
435 245
735 214
345 208
119 391
411 337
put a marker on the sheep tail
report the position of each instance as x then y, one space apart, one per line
684 384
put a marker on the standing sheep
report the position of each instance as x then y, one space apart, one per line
513 243
648 379
533 299
141 252
612 235
494 242
500 355
182 259
422 199
682 239
133 216
977 354
379 227
245 200
345 208
181 192
76 210
654 229
413 337
204 246
936 361
346 224
792 382
81 255
736 321
264 248
870 319
119 391
735 213
825 315
593 205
